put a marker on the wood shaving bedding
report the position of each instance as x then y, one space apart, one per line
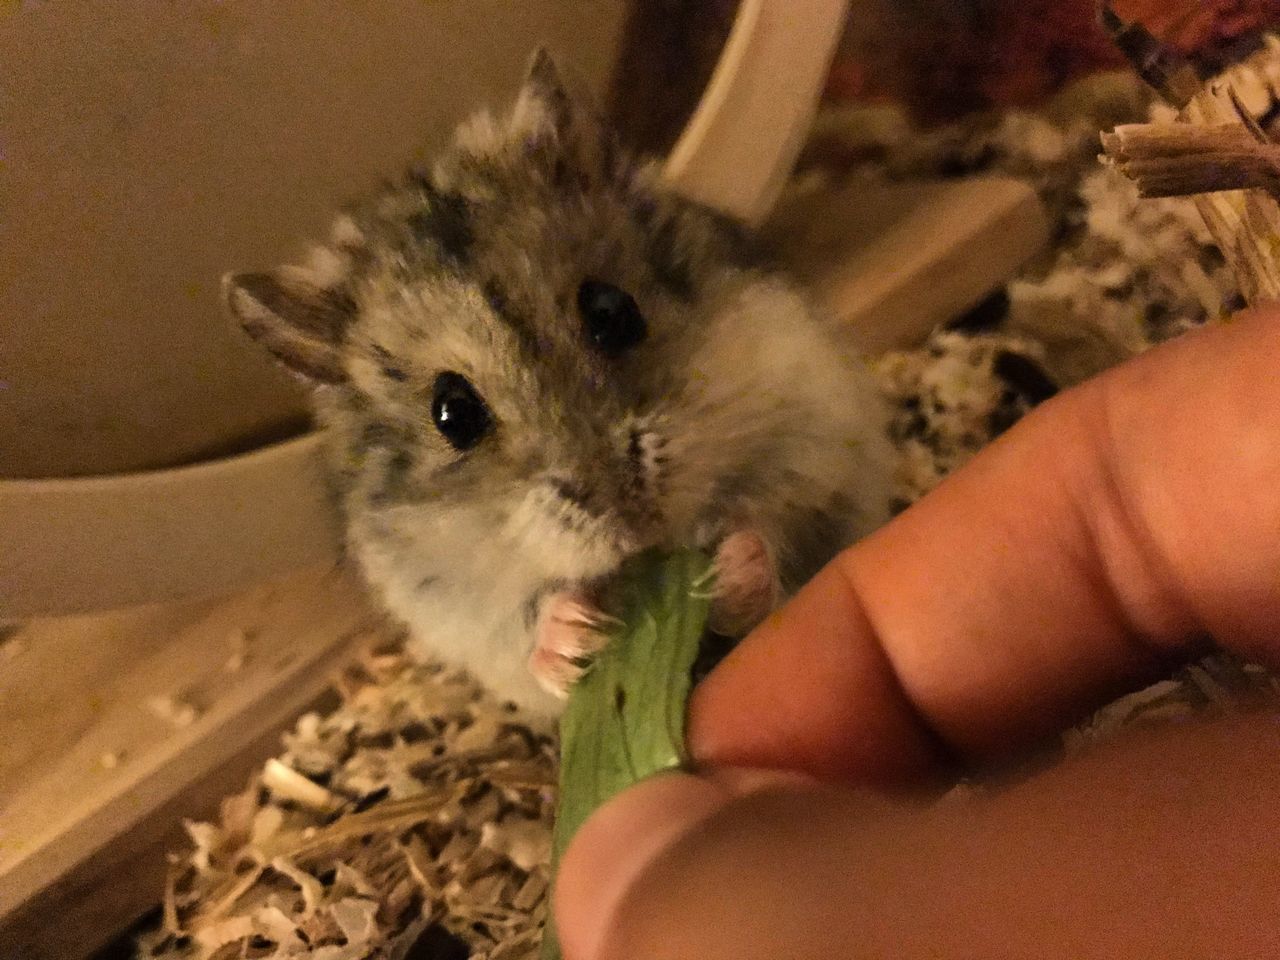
1124 273
416 813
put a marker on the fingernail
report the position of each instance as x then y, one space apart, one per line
615 846
741 781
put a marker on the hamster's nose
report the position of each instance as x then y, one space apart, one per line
612 491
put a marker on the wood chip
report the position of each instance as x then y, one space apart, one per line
173 710
288 784
522 840
311 889
530 893
356 918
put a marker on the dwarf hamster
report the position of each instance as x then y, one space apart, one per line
531 361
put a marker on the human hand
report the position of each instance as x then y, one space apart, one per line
1094 545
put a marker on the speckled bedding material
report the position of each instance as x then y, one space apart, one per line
413 821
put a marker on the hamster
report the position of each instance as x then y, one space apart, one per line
531 361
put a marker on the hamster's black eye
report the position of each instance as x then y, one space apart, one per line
458 412
612 320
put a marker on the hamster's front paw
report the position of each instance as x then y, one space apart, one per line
746 585
569 633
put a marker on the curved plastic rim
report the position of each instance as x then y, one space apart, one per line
79 544
743 139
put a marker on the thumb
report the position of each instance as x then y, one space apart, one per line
608 869
1075 862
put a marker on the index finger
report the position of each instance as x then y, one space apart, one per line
1094 543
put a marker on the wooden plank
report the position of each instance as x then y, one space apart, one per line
99 760
91 904
82 544
895 260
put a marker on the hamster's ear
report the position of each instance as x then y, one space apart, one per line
299 321
549 109
544 104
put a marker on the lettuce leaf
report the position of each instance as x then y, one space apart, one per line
625 717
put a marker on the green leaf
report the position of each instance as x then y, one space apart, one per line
625 717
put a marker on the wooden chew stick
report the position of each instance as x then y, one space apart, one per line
1175 160
1215 151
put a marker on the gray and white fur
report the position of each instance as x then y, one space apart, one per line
736 411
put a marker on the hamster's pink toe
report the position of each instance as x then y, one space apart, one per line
746 583
567 636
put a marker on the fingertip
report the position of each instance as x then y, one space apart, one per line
620 841
614 848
